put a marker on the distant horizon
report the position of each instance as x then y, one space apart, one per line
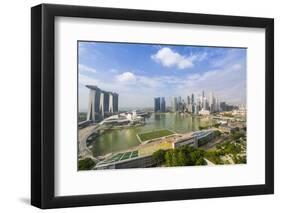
141 72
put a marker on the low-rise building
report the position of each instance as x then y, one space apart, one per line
138 162
204 136
123 119
185 140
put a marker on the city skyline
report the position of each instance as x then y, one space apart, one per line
141 72
194 103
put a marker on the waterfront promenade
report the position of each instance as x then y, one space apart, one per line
83 135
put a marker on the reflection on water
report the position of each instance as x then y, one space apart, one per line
117 140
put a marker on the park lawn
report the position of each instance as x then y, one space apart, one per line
154 134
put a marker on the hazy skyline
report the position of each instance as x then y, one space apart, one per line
140 72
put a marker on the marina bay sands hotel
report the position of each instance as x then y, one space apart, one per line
101 103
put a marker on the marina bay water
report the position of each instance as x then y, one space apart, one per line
121 139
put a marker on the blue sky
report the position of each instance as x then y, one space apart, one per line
140 72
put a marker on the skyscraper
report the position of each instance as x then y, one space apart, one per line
157 106
110 103
188 101
223 106
202 97
175 104
212 102
217 105
179 99
101 103
106 102
115 102
192 103
196 109
163 105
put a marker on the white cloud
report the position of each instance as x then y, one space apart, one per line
84 68
140 81
184 63
126 77
170 58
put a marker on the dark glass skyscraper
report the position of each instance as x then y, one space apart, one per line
163 105
115 102
157 105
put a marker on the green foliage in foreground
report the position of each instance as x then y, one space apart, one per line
230 148
240 159
86 164
159 157
236 135
182 156
214 156
155 134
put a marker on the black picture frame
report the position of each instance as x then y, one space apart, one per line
43 105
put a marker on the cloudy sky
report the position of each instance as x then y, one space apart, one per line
140 72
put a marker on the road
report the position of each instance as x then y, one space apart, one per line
84 134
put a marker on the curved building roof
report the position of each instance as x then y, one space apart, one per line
93 87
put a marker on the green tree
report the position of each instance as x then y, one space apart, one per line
168 158
86 164
175 157
182 158
159 157
236 135
200 161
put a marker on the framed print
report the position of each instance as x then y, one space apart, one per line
139 106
